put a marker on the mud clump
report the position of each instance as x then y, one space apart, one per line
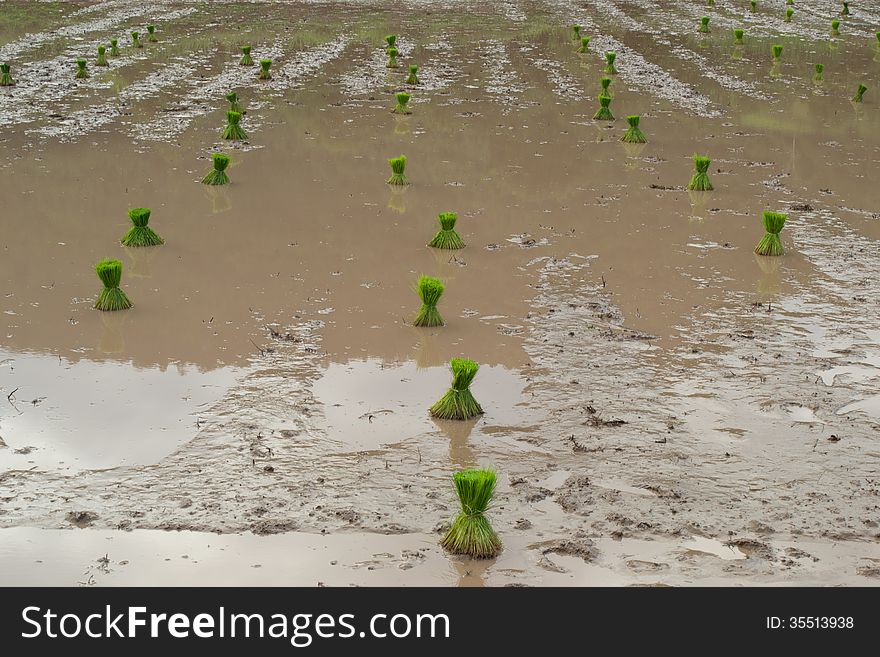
81 519
572 547
269 526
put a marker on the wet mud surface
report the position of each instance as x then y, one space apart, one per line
662 405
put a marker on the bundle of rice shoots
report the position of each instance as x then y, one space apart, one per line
859 93
391 40
845 10
700 181
81 72
754 4
111 297
585 44
610 56
704 25
265 64
218 176
604 113
738 35
771 245
5 76
246 59
777 51
605 83
429 290
471 534
877 34
458 403
402 100
102 56
413 75
575 32
788 14
135 43
114 47
634 135
141 234
835 26
818 77
233 128
234 105
447 237
398 177
392 58
151 32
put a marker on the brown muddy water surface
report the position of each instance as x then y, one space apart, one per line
662 406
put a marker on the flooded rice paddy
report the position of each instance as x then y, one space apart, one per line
663 406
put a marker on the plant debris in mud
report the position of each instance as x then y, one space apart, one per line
429 290
402 106
265 65
101 59
634 135
140 234
770 244
392 58
585 44
471 534
81 70
447 237
413 77
112 297
610 57
135 42
398 166
738 36
217 175
5 76
234 104
704 25
700 180
604 112
246 59
458 403
151 34
859 93
233 128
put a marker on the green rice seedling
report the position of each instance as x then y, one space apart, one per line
845 10
114 47
447 237
471 534
634 135
135 43
788 14
413 75
859 93
217 175
877 34
835 27
265 64
398 165
111 297
246 59
391 40
5 76
429 290
771 245
754 4
605 82
789 2
604 113
233 128
81 71
704 25
234 105
141 234
151 34
402 103
777 52
610 56
458 403
820 69
585 44
392 58
102 56
575 32
710 3
700 180
738 36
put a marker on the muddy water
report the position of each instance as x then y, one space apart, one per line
646 377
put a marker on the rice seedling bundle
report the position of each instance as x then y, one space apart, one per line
447 237
114 47
402 103
818 77
5 76
877 34
111 297
140 234
429 290
265 64
81 71
391 41
777 52
700 180
859 93
704 25
610 56
135 43
754 4
634 135
710 3
585 44
845 10
233 128
151 34
413 75
605 83
575 32
217 175
771 245
471 534
102 56
392 58
458 403
246 59
398 165
788 14
835 26
234 105
738 35
789 2
604 113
